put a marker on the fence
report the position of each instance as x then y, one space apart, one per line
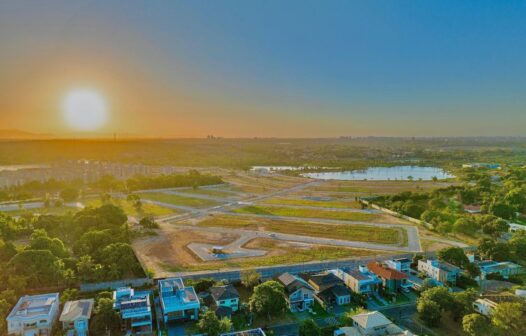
396 214
273 271
112 285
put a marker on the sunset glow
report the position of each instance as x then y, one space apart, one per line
84 110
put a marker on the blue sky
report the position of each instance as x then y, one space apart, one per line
273 68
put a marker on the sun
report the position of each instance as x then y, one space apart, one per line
84 110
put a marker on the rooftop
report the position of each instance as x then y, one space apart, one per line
224 292
385 272
34 306
325 279
252 332
292 283
371 320
175 297
74 310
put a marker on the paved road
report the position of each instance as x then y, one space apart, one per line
302 239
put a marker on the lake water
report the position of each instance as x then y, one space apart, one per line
384 173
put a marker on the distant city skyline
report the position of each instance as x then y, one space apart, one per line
264 68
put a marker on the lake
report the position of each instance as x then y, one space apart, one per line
400 173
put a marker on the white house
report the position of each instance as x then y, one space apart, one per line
484 306
439 271
372 324
34 315
75 317
359 280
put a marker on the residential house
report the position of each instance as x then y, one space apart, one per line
226 300
484 306
504 268
400 264
34 315
442 272
75 317
372 324
178 302
360 280
251 332
135 310
300 295
392 280
330 290
472 209
323 281
486 303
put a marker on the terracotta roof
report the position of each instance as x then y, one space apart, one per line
385 272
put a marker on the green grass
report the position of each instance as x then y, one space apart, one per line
129 209
315 203
291 256
52 210
178 200
353 232
208 192
308 213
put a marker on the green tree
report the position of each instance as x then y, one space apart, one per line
466 226
250 278
105 319
453 255
428 311
4 310
268 299
440 295
40 267
41 241
148 222
518 247
508 318
462 303
475 325
121 258
211 325
309 328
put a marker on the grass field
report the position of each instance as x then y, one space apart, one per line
129 209
52 210
178 200
209 192
379 187
307 213
312 202
290 255
364 233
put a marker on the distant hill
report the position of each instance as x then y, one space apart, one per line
14 134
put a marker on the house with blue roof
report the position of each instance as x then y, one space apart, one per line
135 310
34 315
178 302
504 268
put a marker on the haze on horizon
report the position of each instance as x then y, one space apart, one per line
267 68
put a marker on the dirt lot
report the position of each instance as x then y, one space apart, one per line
169 248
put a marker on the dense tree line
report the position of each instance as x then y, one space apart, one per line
501 196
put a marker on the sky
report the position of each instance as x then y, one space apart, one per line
267 68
